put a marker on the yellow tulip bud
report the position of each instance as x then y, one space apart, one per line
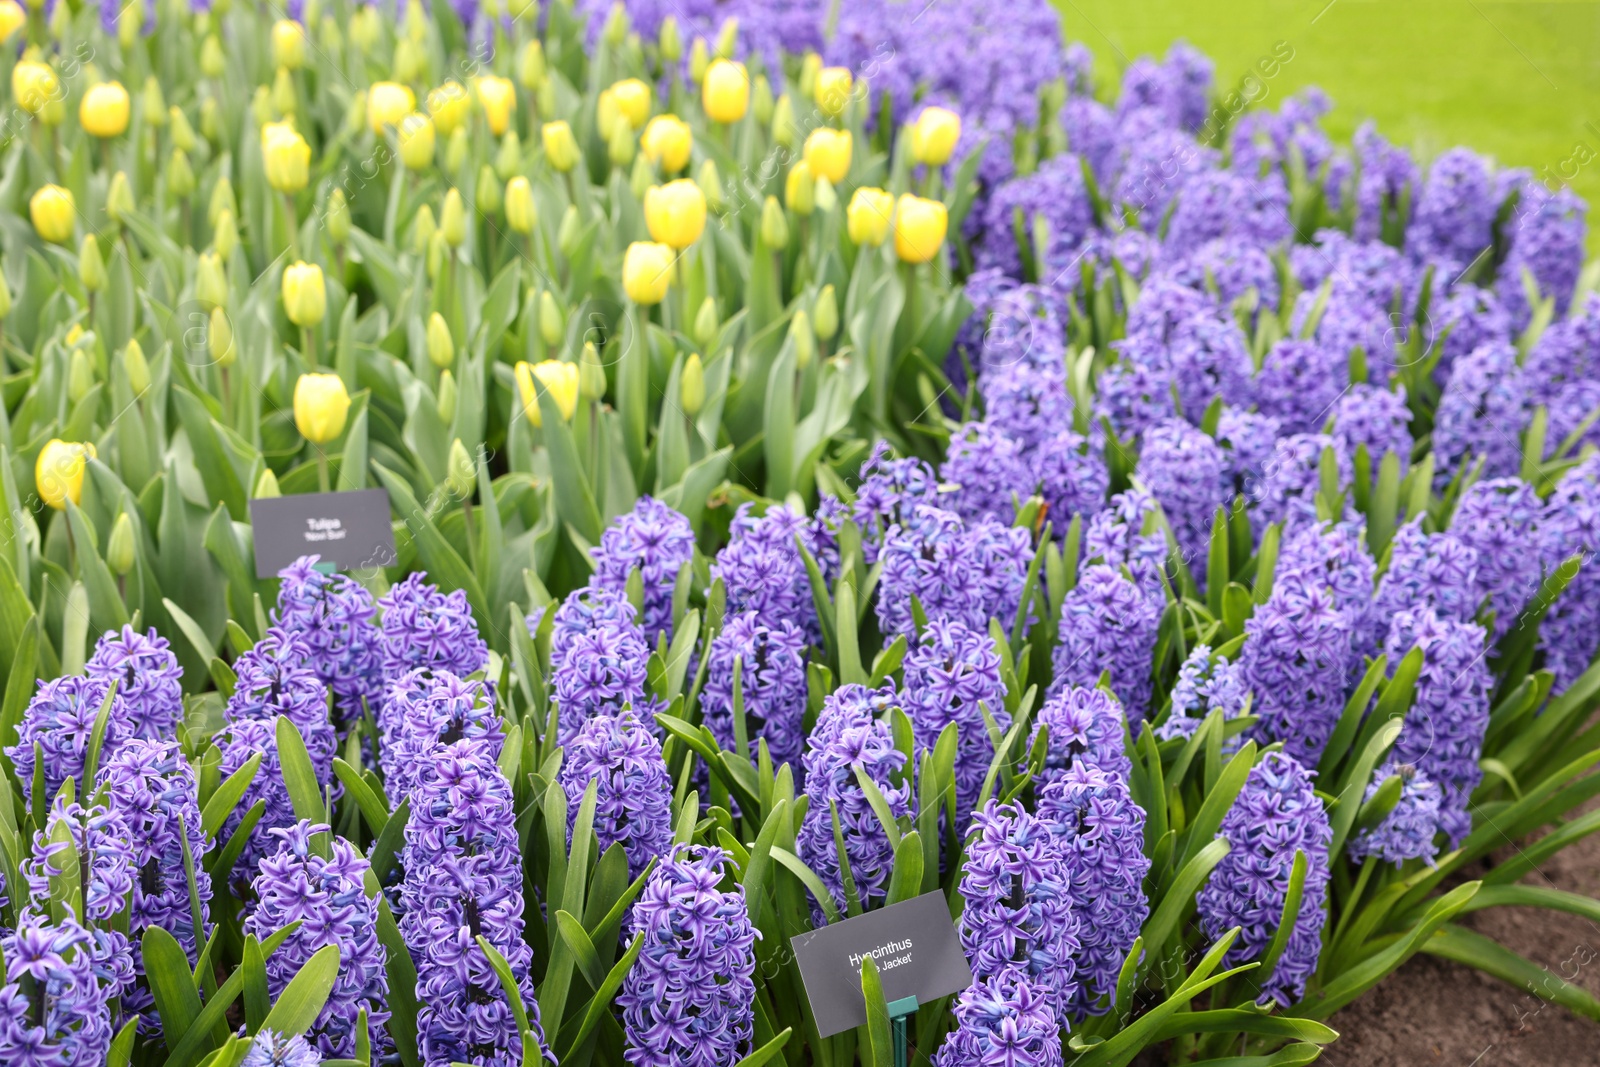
54 112
305 294
508 160
620 146
667 142
453 219
54 213
832 90
805 342
460 477
761 99
646 272
810 67
827 152
212 60
727 38
321 405
219 339
569 231
211 119
286 157
337 218
675 213
58 473
210 280
91 265
615 27
641 178
632 99
774 227
531 69
284 101
365 27
180 175
552 320
415 135
558 379
699 60
446 406
152 104
34 84
487 196
825 314
799 189
919 228
387 104
266 486
225 235
182 133
408 61
522 214
136 367
332 37
692 385
560 148
120 546
80 375
706 327
725 94
868 216
104 110
934 135
498 98
783 130
12 18
119 197
441 347
450 107
288 44
222 199
591 374
455 153
670 41
423 227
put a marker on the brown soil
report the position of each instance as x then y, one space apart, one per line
1436 1012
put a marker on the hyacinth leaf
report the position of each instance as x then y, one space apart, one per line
1513 658
301 1001
725 770
201 1034
1355 710
1382 803
1296 1055
1287 920
813 883
754 876
1219 798
402 975
1266 563
583 951
1466 946
373 810
848 642
606 929
445 565
508 984
877 1050
767 1051
558 975
257 998
599 1005
66 887
1343 815
97 738
19 678
1531 856
1217 562
1250 1020
906 880
171 982
386 849
220 866
1537 746
298 775
820 598
192 631
121 1051
1178 898
1393 701
227 796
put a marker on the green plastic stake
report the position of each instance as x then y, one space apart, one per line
899 1011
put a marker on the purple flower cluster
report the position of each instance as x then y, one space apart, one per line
1482 413
1018 921
658 541
239 742
1276 815
323 890
1007 1021
423 627
1296 658
772 686
763 570
599 661
1292 477
1300 383
988 471
1052 202
1086 729
1547 235
275 678
269 1049
425 711
1443 732
1563 374
1108 624
849 738
1407 832
1500 519
58 727
1186 471
890 491
54 1009
147 677
464 875
1463 322
1454 219
1377 419
633 791
1335 557
1206 683
1438 570
1100 831
1127 534
92 842
335 616
689 997
951 678
970 573
1570 632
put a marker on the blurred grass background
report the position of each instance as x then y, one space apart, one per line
1519 81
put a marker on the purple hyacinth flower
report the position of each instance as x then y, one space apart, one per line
1217 204
275 677
1292 477
1205 684
425 711
1384 186
1229 268
148 679
269 1049
1027 403
1570 633
1100 830
1054 201
1126 534
1296 659
763 570
850 738
1186 471
1407 832
1455 212
1017 920
658 541
1087 728
1466 319
1135 392
324 891
688 999
59 723
1276 815
1484 409
1334 556
1004 1021
604 671
239 742
1248 440
1546 232
1376 418
951 677
1072 478
1500 520
336 617
1300 384
1209 358
969 572
1443 732
423 627
94 841
772 684
988 469
890 491
1563 374
463 880
1438 570
54 1010
1108 624
633 791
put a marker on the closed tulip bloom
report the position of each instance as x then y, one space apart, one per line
488 195
288 44
387 104
305 297
522 215
666 142
558 379
321 405
91 265
833 90
58 474
450 106
286 157
453 219
441 347
210 280
632 98
119 197
34 84
498 98
646 272
725 94
12 18
692 385
416 138
799 189
827 152
774 229
868 216
560 147
675 213
219 340
54 213
104 110
934 135
919 228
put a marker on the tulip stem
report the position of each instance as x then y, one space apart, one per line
308 348
322 470
294 228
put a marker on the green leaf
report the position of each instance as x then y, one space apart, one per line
301 1001
227 797
171 981
877 1050
767 1051
192 631
1296 1055
402 975
1287 920
577 939
299 777
1179 897
444 564
600 1004
1457 943
508 983
812 882
373 810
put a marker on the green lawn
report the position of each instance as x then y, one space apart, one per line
1519 81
